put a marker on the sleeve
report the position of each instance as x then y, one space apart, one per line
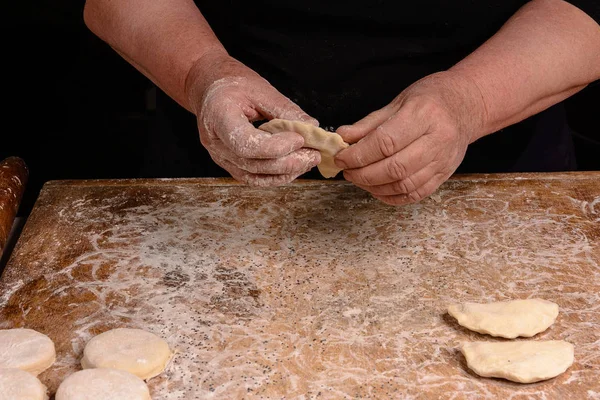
590 7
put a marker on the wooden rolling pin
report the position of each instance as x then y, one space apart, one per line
13 178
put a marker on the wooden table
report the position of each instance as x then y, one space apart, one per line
313 290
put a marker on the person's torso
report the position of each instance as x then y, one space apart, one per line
342 60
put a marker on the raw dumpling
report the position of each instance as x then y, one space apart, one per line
519 361
328 143
507 319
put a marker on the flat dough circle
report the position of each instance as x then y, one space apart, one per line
520 361
26 349
134 350
507 319
102 383
16 384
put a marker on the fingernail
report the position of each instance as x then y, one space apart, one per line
308 119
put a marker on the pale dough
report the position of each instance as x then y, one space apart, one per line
519 361
142 353
507 319
26 349
328 143
103 383
16 384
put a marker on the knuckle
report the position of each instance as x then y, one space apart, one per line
364 179
404 186
420 194
249 166
396 169
415 196
386 141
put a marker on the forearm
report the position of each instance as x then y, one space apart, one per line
546 52
162 39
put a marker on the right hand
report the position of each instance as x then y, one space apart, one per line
226 97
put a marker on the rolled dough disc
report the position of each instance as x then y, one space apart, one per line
16 384
507 319
519 361
102 383
26 349
140 352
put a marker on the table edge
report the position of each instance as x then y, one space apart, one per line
211 181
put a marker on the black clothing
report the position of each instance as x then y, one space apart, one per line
341 60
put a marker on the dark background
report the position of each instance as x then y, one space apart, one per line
74 109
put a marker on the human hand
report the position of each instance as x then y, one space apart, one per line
406 150
226 97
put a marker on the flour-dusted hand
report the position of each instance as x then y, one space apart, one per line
227 97
404 151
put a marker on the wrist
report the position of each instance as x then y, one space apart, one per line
474 111
203 72
466 103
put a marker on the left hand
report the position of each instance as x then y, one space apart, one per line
407 149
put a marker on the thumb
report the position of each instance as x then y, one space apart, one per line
272 104
353 133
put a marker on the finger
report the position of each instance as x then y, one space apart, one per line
388 138
405 186
294 163
398 167
353 133
272 104
262 180
245 141
416 195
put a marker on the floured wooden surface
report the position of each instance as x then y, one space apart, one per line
313 290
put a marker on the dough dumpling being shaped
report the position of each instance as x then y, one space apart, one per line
26 349
137 351
519 361
102 383
328 143
507 319
16 384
